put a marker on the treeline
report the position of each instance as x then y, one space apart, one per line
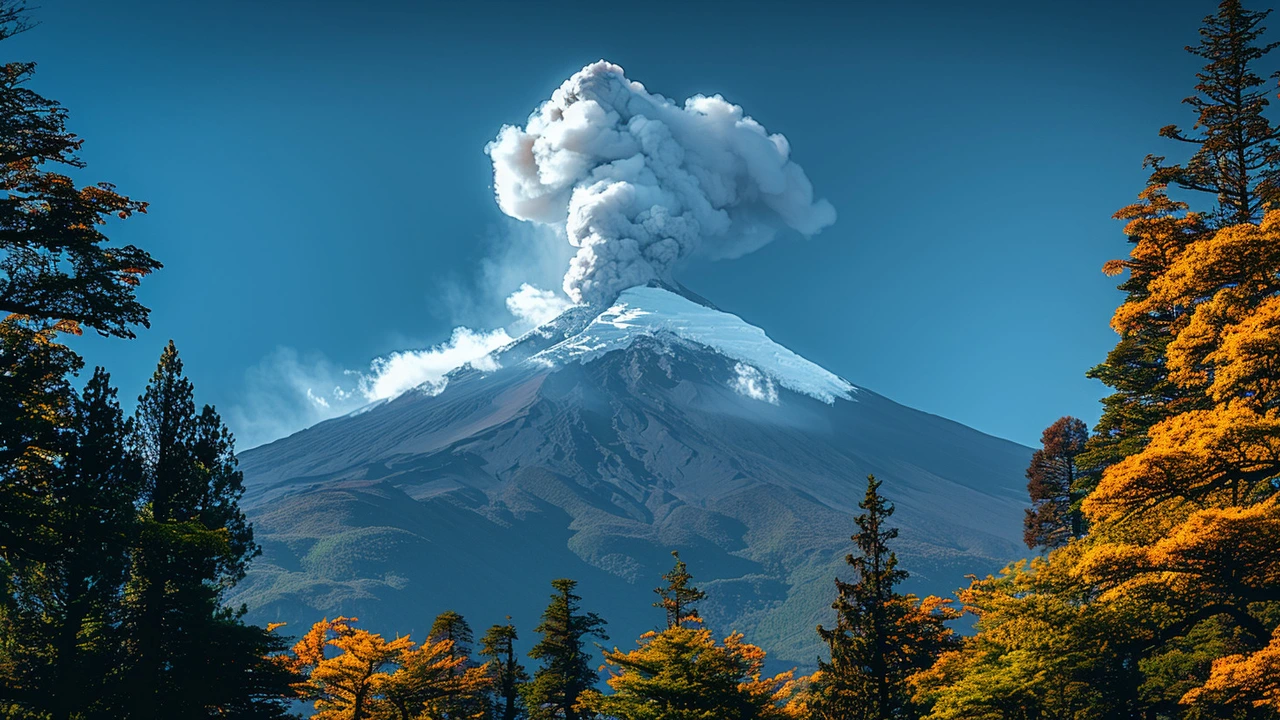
119 536
880 640
1155 593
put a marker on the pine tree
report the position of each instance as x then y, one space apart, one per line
450 625
1237 158
682 673
65 604
92 518
194 544
58 273
1053 484
505 671
566 670
679 598
1237 161
881 637
451 629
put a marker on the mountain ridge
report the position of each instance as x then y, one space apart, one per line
595 467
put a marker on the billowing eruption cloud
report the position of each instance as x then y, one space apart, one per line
639 183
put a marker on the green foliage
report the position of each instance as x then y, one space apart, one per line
679 598
505 671
681 673
1237 158
566 672
881 637
193 545
57 265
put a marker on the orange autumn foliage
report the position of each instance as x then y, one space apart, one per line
353 674
1247 680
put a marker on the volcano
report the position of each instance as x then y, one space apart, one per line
591 448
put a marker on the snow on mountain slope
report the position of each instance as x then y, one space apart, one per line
647 311
594 445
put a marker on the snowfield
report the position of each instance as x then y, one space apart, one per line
649 311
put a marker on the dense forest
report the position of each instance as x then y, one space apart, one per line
1153 590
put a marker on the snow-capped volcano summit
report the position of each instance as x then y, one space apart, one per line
593 446
656 311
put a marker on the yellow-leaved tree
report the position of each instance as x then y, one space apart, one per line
1167 604
682 673
1190 523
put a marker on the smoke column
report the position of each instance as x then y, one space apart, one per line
639 183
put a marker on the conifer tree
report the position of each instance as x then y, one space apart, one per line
65 604
505 671
92 520
679 598
58 267
432 681
193 545
351 684
566 670
451 630
450 625
881 637
683 673
1237 157
1053 484
1236 161
58 273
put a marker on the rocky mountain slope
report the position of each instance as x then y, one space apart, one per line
594 446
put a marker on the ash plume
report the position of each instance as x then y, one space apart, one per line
638 183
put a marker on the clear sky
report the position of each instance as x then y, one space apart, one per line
319 188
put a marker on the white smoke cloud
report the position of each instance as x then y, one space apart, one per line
633 181
534 306
749 381
639 183
286 392
391 376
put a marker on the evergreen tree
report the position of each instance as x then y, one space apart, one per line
58 268
679 598
506 672
58 272
92 518
451 629
65 600
450 625
566 670
1237 161
881 637
1052 482
194 544
682 673
1237 158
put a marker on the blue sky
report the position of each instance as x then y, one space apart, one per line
319 188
